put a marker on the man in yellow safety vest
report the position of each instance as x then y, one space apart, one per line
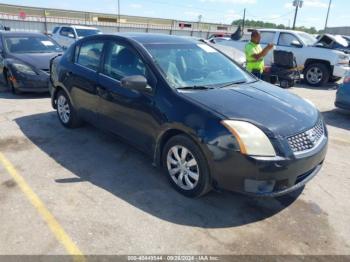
255 54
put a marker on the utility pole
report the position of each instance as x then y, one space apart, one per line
329 8
243 24
199 22
298 4
45 21
118 19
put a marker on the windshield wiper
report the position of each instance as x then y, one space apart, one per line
195 87
238 82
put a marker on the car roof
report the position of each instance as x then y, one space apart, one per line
151 38
279 30
20 33
80 27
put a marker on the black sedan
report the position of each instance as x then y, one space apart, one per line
25 59
193 110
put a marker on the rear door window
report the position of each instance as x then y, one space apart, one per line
90 53
267 37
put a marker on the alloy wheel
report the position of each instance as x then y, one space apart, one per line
63 109
183 167
314 75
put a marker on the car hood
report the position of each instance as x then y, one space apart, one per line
38 60
276 111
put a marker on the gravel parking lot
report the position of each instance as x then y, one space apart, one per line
109 199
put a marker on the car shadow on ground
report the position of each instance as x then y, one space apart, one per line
108 163
338 118
329 86
8 95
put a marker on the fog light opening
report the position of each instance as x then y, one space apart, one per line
259 186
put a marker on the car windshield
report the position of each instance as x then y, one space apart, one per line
307 39
196 65
30 44
87 32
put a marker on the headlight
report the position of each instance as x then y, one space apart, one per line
24 69
252 141
343 59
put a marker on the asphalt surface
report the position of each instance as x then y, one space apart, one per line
109 199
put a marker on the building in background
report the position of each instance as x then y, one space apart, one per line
45 19
343 30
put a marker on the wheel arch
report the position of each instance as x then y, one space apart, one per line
319 61
55 92
4 73
164 137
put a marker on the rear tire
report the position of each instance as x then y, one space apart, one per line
317 74
66 112
186 167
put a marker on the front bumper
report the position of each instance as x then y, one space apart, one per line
270 177
343 97
33 83
341 70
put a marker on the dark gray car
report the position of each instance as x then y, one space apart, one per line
25 60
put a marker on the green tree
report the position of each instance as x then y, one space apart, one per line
262 24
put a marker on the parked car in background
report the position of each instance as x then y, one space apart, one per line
216 40
337 42
193 110
347 38
343 94
67 35
25 59
320 64
225 35
4 28
235 54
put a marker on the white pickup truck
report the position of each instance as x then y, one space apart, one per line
68 34
320 63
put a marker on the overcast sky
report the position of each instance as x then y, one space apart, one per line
313 12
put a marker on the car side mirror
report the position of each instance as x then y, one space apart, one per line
296 44
137 83
70 35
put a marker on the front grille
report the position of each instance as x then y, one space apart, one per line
307 140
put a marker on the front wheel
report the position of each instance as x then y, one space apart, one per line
66 112
10 85
316 74
186 167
